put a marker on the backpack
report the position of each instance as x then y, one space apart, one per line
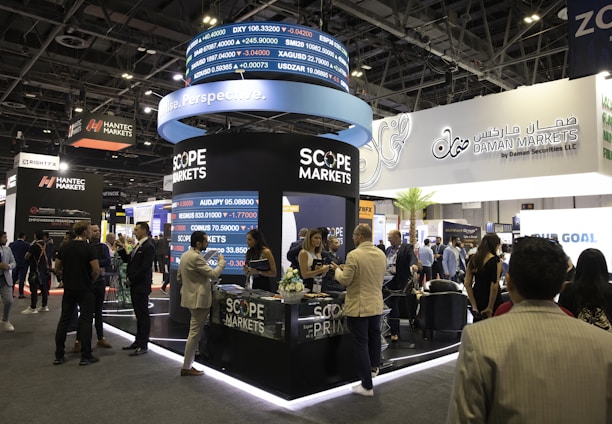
596 317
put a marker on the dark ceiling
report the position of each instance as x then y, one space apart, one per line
56 55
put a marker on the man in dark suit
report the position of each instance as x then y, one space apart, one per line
295 248
437 271
139 279
19 248
401 262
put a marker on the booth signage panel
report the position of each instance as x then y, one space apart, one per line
36 161
467 233
261 161
53 201
546 129
103 132
589 33
224 216
260 48
576 229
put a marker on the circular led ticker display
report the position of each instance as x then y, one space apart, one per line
265 49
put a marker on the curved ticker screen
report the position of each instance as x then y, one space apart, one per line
259 48
225 216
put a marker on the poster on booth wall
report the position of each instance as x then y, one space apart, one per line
469 234
52 201
575 229
311 211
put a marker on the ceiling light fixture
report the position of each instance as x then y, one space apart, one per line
151 92
78 109
209 20
47 131
366 67
531 19
127 76
356 73
141 49
147 143
177 77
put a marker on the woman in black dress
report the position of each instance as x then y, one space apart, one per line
484 271
258 249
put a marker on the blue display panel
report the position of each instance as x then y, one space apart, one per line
268 47
225 216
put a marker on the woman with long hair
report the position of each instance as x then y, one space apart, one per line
589 296
482 278
258 249
310 258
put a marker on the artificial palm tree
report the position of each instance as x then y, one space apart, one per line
412 200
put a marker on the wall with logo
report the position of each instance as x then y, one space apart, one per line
51 201
507 141
276 172
576 229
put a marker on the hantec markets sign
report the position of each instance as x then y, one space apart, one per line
103 132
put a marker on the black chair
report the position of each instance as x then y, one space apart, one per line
443 309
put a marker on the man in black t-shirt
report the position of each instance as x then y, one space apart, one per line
77 264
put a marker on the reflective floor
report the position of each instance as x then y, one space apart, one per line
172 335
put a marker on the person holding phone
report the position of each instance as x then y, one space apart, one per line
310 258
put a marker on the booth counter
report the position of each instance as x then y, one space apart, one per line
291 350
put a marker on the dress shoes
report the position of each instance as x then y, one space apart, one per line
130 347
59 361
103 343
192 372
139 351
88 360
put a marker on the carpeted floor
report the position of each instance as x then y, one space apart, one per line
148 388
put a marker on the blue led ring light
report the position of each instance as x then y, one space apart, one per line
263 96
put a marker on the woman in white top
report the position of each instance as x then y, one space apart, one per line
311 250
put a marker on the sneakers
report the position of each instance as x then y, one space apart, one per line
103 343
360 390
43 309
7 326
29 311
89 360
375 372
59 360
163 290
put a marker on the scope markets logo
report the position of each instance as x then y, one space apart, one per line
189 166
325 166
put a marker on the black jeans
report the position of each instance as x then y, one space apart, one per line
367 345
40 283
140 303
85 300
99 292
19 274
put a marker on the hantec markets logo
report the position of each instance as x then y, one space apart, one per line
95 126
46 182
320 165
62 183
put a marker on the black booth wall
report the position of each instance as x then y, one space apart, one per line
272 165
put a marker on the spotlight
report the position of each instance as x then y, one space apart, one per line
177 77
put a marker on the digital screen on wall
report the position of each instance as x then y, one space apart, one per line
225 216
301 210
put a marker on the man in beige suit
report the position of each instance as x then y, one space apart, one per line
363 276
533 364
195 275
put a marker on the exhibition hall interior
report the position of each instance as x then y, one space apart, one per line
226 116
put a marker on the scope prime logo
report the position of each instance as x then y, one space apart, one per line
323 165
189 165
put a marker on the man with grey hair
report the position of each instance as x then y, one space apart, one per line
363 275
